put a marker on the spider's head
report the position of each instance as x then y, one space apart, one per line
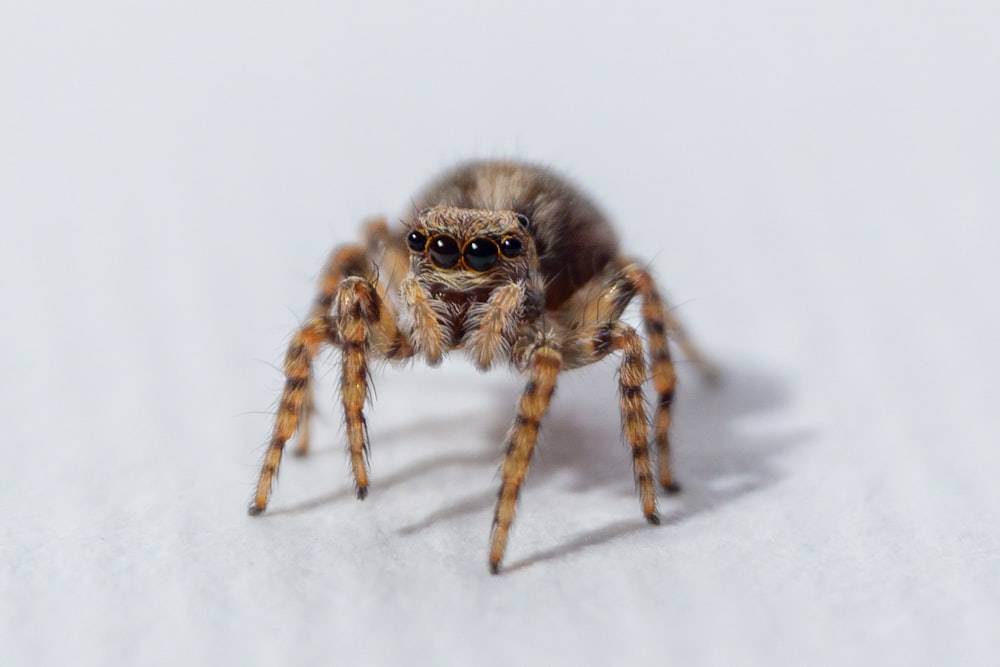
467 249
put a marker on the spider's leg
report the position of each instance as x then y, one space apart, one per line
366 327
393 258
603 300
298 361
543 367
594 343
345 261
357 308
380 332
661 365
657 321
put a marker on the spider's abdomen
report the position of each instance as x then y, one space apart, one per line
574 239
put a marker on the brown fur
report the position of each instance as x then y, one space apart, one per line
554 306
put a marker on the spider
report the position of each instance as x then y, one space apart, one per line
508 263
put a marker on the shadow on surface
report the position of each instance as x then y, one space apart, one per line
721 451
404 475
591 538
470 505
712 446
718 459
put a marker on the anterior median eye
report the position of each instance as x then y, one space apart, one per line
481 254
416 241
444 251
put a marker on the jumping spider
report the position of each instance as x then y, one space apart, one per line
511 264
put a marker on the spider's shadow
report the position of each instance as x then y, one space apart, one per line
718 459
427 427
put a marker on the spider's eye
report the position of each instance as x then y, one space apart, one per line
481 254
511 247
416 241
444 251
523 219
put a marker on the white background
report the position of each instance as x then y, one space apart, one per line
814 183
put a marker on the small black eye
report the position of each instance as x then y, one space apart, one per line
481 254
523 219
444 251
416 241
511 247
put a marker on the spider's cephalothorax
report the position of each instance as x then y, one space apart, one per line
509 263
473 264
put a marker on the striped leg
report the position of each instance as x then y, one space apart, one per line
593 344
544 365
358 310
655 323
298 362
389 249
364 324
604 301
346 261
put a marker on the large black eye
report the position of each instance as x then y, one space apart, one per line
416 241
523 219
444 251
511 247
481 254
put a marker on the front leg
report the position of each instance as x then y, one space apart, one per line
347 260
544 365
358 309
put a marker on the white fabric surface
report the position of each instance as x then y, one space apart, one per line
814 183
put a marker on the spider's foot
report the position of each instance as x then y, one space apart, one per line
672 487
301 451
653 519
362 492
495 568
255 510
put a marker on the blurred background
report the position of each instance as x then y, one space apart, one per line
815 186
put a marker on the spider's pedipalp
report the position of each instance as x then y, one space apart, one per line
421 318
491 325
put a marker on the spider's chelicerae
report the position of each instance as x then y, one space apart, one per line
510 264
